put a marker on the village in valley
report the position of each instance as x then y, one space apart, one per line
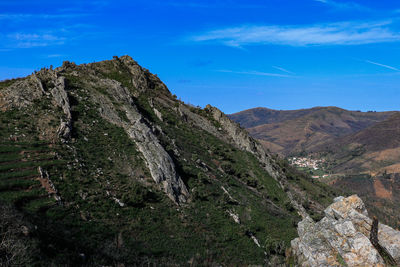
315 167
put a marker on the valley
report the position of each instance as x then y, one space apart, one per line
355 151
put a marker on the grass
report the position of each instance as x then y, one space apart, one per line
29 164
100 163
20 196
17 184
18 174
9 157
37 205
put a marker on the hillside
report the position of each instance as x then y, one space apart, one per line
295 131
374 150
100 165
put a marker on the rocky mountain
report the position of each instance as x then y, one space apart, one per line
100 165
295 131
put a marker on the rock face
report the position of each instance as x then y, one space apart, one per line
21 94
142 79
61 98
55 85
158 161
342 237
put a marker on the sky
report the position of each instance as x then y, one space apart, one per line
232 54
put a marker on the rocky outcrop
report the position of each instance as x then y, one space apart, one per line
51 82
24 92
243 140
159 163
21 93
142 79
342 238
61 98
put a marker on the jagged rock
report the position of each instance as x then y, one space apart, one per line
21 94
243 140
343 236
234 216
160 164
156 111
158 161
142 79
61 98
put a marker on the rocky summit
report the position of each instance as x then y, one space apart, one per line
100 165
343 238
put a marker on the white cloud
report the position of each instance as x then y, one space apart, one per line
20 16
258 73
208 4
343 5
382 65
343 33
55 55
29 40
282 69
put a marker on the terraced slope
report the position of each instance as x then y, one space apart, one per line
24 181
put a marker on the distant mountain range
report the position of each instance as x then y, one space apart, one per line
354 141
361 149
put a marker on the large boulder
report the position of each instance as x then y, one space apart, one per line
342 237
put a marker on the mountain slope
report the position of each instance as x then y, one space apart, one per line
295 131
375 149
361 150
129 175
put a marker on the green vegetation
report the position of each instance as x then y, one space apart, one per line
110 210
18 175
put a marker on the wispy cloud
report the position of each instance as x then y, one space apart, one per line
282 69
21 16
54 55
343 33
209 4
382 65
258 73
343 5
29 40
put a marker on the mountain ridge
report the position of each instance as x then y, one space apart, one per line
294 131
129 174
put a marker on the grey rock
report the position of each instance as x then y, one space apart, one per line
142 79
342 236
60 96
21 93
158 161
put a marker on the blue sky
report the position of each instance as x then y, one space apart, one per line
233 54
